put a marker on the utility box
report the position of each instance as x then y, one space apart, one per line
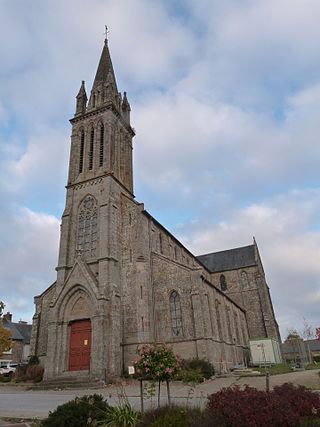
265 351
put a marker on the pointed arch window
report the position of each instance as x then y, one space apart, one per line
88 227
91 149
223 283
236 324
101 150
228 319
81 151
217 304
175 310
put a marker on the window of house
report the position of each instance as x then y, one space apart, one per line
175 310
223 282
87 227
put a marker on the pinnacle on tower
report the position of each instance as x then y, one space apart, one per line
81 100
125 108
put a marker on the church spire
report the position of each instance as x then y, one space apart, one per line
105 68
104 88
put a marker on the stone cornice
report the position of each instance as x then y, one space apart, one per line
100 110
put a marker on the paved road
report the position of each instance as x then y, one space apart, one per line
16 401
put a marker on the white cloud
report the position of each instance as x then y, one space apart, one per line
28 251
225 100
210 149
290 254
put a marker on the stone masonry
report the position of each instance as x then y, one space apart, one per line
123 272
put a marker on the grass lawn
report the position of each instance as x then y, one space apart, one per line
276 369
284 368
313 366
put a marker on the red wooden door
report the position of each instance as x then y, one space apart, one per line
80 346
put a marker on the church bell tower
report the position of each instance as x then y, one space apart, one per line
84 314
101 133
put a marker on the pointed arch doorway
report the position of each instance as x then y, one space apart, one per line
80 345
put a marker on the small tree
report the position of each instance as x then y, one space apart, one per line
308 334
5 335
157 363
294 339
318 333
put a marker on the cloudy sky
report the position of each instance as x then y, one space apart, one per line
225 99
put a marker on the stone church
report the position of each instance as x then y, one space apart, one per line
122 278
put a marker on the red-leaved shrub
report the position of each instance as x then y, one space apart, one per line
302 402
285 406
35 373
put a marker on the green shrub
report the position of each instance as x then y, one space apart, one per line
33 360
310 422
125 374
176 419
174 416
198 418
206 367
193 376
5 378
122 415
79 412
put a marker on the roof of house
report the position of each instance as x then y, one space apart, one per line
289 347
230 259
20 331
314 344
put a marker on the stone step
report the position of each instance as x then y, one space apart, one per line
246 372
68 383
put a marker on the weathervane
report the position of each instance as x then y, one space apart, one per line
106 33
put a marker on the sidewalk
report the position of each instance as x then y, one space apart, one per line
16 401
8 424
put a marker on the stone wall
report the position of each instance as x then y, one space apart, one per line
248 288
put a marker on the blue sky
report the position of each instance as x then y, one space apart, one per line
225 100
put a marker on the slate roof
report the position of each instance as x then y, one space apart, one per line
314 345
20 331
230 259
104 68
288 347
